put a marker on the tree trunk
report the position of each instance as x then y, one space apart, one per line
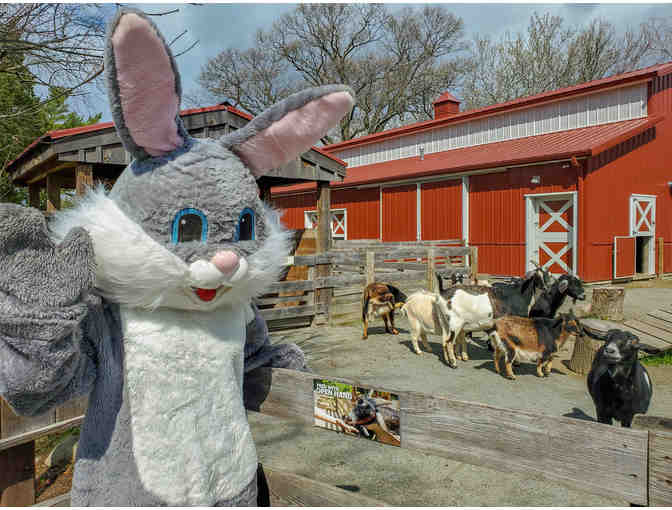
584 352
608 303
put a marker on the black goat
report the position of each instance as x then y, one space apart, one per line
548 303
618 383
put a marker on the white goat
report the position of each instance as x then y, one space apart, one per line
430 313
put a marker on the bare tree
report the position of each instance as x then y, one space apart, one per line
549 56
397 64
659 34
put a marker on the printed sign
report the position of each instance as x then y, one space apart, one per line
357 411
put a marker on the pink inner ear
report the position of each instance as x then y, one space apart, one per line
146 86
294 134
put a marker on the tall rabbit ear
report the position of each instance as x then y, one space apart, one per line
143 86
289 127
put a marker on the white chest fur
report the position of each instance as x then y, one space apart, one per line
184 377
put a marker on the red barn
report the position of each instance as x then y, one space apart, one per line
578 179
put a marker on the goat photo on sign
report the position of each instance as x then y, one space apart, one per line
381 300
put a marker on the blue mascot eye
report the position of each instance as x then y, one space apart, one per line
245 226
189 225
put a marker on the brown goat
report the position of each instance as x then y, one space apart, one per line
536 339
381 300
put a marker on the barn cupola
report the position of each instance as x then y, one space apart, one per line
446 106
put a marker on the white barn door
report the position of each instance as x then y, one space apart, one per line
643 228
551 232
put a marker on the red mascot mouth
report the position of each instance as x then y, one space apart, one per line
206 294
209 294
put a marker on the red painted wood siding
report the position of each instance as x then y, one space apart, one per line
399 213
293 207
497 213
625 256
363 206
441 210
640 165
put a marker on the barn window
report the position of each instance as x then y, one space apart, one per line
245 226
189 225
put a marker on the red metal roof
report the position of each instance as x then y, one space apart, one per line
582 88
581 142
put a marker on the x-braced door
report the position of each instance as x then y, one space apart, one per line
551 232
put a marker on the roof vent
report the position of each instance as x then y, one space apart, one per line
446 106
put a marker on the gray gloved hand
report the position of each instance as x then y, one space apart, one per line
36 271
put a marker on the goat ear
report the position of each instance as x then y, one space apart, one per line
564 284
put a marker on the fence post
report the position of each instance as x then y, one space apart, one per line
473 258
661 259
660 469
430 270
370 267
323 296
17 475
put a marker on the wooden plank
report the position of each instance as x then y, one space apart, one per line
649 330
84 178
53 193
62 500
660 468
661 257
650 344
661 316
405 276
35 433
404 266
291 286
419 251
431 280
473 260
657 323
293 311
17 475
289 489
370 267
284 299
12 424
342 309
561 450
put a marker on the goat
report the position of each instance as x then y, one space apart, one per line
618 383
381 299
531 339
427 312
547 304
470 312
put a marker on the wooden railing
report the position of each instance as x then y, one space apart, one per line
634 465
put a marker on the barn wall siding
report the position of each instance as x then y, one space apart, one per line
363 208
293 208
640 165
400 213
497 213
441 210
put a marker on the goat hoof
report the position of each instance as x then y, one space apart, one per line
364 337
465 357
395 332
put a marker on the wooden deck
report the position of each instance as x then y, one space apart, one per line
654 329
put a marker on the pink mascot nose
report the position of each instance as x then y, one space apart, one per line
226 262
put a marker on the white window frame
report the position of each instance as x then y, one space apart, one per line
307 223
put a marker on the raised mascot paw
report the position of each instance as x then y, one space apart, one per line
34 269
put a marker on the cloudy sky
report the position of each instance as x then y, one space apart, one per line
220 26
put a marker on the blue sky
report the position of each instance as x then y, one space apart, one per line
218 26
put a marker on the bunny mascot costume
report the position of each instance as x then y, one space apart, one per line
141 299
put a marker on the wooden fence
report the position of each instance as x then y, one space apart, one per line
297 303
635 465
